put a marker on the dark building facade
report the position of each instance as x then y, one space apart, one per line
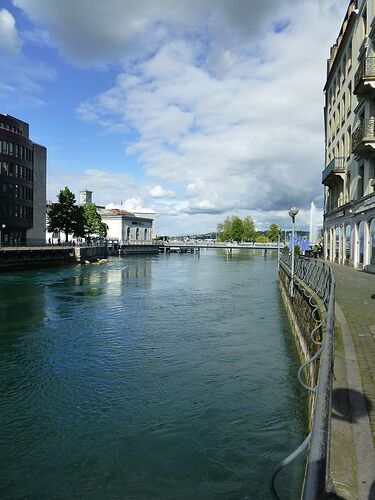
22 184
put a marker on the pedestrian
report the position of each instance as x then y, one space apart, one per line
315 251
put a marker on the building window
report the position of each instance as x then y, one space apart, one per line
364 23
361 241
348 242
372 242
360 181
348 187
349 142
349 101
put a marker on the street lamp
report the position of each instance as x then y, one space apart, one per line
292 213
3 226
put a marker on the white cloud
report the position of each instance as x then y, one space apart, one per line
223 99
9 39
100 32
159 192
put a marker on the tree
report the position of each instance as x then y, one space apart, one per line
261 239
225 229
273 232
248 232
237 229
93 223
66 216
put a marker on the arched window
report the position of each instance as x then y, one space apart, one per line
372 242
337 242
137 234
361 241
146 234
348 242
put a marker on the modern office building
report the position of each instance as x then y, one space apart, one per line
349 175
22 184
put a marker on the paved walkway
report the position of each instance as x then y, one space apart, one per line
353 423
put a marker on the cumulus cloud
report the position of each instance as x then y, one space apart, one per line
223 99
245 133
9 39
159 192
99 32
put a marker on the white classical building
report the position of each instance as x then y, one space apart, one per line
123 226
127 227
349 175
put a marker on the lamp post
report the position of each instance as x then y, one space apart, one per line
292 212
3 226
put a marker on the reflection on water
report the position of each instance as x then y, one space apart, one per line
168 376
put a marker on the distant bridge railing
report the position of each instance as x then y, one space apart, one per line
315 279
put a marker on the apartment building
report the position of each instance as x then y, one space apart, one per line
22 184
349 175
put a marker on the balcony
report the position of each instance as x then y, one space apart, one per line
335 167
364 79
363 138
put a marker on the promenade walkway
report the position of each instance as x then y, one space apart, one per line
353 412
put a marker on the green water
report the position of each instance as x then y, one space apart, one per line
150 377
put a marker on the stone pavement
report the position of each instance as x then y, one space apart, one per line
353 422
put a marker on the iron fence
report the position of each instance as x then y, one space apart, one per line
316 281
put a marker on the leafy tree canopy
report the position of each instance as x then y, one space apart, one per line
273 232
65 216
93 223
237 229
249 230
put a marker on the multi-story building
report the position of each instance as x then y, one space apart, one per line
349 175
22 184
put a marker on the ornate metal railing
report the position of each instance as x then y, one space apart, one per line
365 70
365 130
315 280
336 165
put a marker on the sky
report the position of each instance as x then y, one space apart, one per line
198 110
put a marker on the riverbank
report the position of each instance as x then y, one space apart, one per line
31 257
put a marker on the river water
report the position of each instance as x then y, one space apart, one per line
150 377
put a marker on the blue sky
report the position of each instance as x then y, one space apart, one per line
198 110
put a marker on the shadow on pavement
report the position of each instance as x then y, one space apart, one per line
341 409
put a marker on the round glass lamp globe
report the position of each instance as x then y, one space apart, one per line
293 211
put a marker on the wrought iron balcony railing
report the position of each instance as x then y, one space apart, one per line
365 70
364 132
336 166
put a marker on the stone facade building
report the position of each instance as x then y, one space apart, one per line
22 184
349 174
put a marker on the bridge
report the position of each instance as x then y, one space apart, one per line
184 247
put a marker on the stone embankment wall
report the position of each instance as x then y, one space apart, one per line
137 249
13 258
303 319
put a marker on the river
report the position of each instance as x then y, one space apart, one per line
149 377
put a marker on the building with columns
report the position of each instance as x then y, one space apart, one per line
22 184
349 174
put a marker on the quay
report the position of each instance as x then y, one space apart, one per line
30 257
353 396
338 371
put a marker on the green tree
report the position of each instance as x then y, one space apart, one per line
273 232
248 231
261 239
93 223
225 229
237 229
65 216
